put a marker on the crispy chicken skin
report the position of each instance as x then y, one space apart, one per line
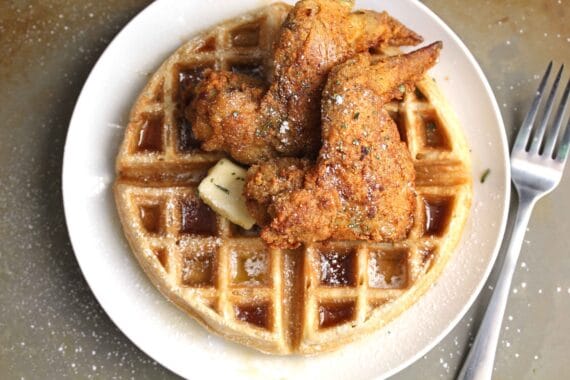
227 111
265 182
253 123
362 185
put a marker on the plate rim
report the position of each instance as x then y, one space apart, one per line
495 249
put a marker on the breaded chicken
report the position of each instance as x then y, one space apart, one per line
253 123
265 182
362 185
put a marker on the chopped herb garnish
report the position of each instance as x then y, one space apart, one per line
222 188
356 115
263 130
343 126
485 175
402 88
354 225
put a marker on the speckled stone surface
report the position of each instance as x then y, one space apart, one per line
51 326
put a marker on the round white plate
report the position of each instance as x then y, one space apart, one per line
166 333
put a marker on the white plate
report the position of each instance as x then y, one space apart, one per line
167 334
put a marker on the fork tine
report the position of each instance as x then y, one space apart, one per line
539 133
562 154
553 136
524 132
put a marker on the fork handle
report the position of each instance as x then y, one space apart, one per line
480 361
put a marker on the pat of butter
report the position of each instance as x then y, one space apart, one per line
222 190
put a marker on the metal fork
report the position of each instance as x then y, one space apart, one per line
536 170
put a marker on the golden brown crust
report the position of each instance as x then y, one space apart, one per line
225 115
362 186
266 182
316 35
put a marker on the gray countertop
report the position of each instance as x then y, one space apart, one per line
51 326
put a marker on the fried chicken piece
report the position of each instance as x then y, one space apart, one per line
252 123
265 182
227 111
362 185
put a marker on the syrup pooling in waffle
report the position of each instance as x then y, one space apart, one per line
308 300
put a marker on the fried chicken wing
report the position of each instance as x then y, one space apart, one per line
253 123
362 185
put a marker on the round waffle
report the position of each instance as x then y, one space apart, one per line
312 299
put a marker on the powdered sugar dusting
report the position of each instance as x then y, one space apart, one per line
377 278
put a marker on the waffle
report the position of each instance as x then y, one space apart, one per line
309 300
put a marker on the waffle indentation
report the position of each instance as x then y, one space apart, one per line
388 269
337 267
187 142
257 315
246 35
335 313
249 268
188 79
151 217
162 256
420 95
437 214
150 133
238 231
435 135
199 267
208 45
197 218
